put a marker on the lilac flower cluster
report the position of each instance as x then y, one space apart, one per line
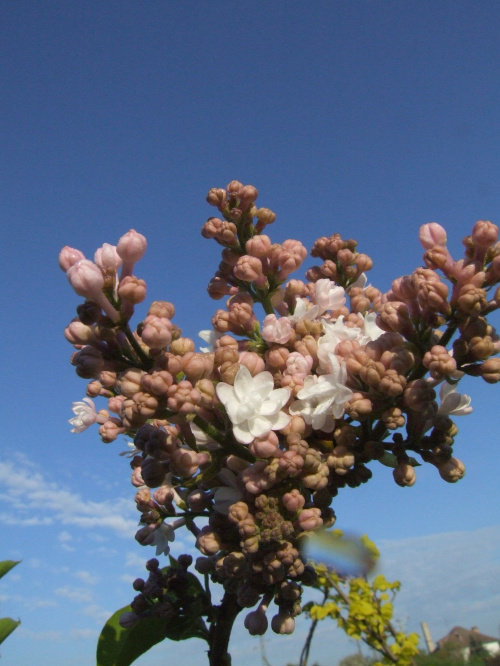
255 435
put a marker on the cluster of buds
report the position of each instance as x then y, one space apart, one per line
255 435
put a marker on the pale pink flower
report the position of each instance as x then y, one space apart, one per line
323 397
328 295
276 330
453 403
253 404
334 333
298 364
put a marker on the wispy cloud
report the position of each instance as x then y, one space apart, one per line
52 636
135 560
446 578
98 613
35 501
74 594
87 577
83 634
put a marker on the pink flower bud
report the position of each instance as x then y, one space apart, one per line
78 334
264 447
432 234
110 430
68 256
132 289
253 362
484 233
156 332
249 269
293 501
87 280
107 258
257 246
256 622
310 519
131 247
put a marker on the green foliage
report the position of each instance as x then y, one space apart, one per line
118 646
7 624
446 658
356 660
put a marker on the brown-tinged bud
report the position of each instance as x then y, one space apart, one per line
490 370
404 475
256 622
182 346
283 623
132 289
452 471
162 309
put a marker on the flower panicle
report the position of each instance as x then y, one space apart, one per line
259 430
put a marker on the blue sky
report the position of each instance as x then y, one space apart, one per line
362 118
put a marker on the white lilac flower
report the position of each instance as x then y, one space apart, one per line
453 403
328 295
165 533
360 282
323 398
132 450
303 312
253 404
372 331
333 334
209 336
226 495
202 439
85 415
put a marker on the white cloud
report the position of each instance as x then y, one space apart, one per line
83 634
134 560
74 594
52 636
87 577
35 501
98 613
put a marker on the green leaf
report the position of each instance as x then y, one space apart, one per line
120 647
6 566
7 626
390 460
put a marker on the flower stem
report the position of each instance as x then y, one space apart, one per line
220 631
